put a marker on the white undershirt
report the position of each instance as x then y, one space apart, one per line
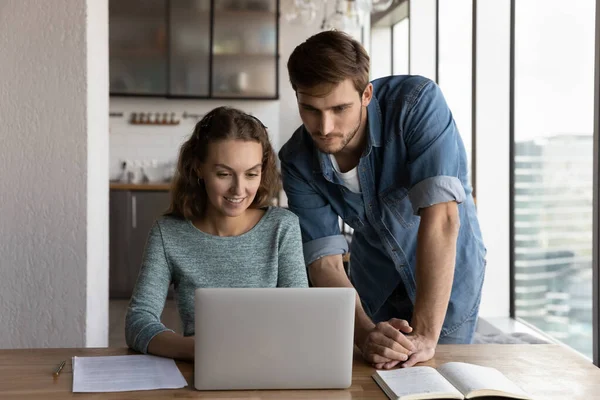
349 178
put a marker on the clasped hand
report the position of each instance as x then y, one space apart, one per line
392 342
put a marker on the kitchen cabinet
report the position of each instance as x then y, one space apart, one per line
132 214
217 49
189 57
119 233
138 47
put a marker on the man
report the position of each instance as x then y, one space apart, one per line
387 158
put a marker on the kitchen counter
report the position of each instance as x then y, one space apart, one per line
155 186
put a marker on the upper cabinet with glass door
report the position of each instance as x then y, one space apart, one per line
244 62
194 48
189 61
138 47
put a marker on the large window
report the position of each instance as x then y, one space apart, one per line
553 168
390 42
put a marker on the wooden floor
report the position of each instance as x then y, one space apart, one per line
117 311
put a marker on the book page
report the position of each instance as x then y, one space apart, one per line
417 383
470 378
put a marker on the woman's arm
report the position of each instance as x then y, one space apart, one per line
292 270
172 345
144 331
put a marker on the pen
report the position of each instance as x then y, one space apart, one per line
60 367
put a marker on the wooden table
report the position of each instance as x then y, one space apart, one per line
544 371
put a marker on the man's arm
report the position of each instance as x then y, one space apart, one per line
436 255
381 343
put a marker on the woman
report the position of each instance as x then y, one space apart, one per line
219 231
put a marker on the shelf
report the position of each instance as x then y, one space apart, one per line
153 186
154 19
137 52
215 96
244 13
204 56
266 96
244 55
229 14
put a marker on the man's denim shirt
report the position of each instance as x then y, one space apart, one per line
414 158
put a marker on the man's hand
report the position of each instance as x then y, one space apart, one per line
436 253
386 343
424 350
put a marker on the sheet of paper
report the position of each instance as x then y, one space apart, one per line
125 373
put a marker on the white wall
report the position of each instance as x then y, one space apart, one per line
97 174
46 180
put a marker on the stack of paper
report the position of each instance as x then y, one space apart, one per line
125 373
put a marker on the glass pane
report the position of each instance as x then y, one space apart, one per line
400 52
554 99
190 47
244 48
138 46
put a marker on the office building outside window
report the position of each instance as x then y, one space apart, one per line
553 168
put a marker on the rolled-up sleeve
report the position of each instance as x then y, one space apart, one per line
435 190
325 246
319 224
436 154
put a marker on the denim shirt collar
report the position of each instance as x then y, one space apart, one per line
374 124
322 162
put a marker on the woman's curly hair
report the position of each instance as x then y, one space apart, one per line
188 194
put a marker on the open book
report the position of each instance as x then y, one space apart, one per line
453 380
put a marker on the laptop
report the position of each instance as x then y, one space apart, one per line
274 338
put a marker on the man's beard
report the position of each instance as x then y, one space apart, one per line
345 139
